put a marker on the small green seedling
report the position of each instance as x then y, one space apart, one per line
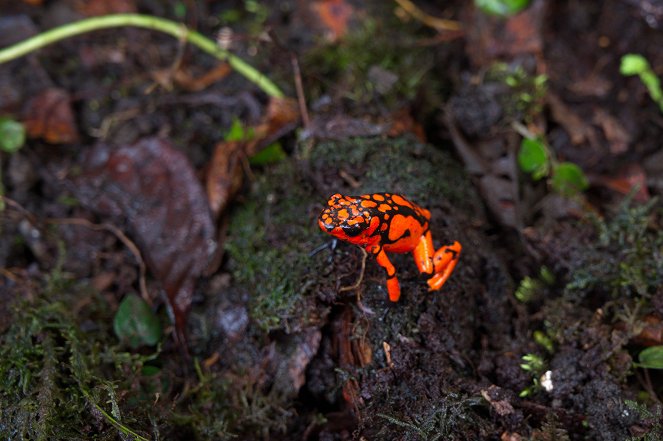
634 64
535 158
535 365
531 287
650 358
136 324
12 135
502 8
12 138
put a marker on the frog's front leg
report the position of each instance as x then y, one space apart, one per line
444 262
423 254
393 287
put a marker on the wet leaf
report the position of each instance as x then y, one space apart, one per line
49 116
533 158
568 179
153 188
651 358
135 323
12 135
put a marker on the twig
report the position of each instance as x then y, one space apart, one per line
299 87
361 274
97 227
169 27
121 237
439 24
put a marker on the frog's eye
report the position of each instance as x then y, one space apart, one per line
353 230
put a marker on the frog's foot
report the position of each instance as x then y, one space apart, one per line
444 261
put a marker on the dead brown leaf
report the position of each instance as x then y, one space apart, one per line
152 187
334 15
49 116
93 8
185 80
618 137
224 176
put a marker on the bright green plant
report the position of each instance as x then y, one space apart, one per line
12 135
535 158
635 64
502 8
177 30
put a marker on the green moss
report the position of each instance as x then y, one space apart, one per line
401 165
347 64
273 232
626 259
269 242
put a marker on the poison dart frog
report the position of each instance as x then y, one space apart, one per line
388 223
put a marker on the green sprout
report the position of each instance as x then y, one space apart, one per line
172 28
535 365
635 64
536 158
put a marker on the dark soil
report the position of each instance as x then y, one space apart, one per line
270 329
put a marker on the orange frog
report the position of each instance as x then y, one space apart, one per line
388 223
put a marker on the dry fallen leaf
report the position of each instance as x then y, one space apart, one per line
152 187
224 176
334 16
49 116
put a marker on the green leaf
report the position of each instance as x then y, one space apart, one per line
542 339
533 157
238 132
135 323
651 358
568 179
269 155
12 135
503 8
633 64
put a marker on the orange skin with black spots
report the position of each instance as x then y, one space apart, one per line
389 223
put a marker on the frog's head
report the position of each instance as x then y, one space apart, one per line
345 218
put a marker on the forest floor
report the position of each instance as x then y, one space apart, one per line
163 275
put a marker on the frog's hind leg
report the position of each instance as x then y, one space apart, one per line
444 262
423 254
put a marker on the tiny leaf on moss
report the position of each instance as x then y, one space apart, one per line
135 323
12 135
568 179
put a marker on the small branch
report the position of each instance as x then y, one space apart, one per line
177 30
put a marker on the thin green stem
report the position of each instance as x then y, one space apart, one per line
177 30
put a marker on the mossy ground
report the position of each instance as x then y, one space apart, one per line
64 374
